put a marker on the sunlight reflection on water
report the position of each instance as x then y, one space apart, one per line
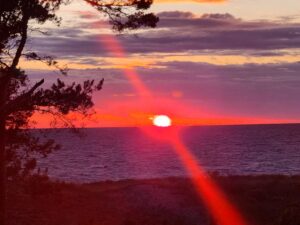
123 153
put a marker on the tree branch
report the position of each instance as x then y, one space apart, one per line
18 102
22 42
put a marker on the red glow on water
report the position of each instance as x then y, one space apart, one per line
165 134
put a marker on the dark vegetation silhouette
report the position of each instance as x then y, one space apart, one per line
20 99
263 200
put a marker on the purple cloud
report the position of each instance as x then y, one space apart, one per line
179 32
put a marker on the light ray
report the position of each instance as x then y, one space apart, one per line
215 200
223 212
115 48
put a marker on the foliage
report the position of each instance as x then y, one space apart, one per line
20 99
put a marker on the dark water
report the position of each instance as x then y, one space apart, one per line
121 153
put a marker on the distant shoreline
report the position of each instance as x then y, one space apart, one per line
214 175
181 126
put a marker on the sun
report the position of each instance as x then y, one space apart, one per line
162 121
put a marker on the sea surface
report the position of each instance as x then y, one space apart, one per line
128 153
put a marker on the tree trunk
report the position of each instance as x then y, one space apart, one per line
4 81
2 173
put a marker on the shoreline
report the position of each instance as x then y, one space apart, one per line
214 175
263 200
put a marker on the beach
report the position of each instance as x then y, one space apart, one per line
262 200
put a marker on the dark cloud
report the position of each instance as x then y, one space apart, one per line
178 32
175 15
87 15
254 39
186 19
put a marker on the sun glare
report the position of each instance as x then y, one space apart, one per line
162 121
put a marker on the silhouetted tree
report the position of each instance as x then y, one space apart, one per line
19 99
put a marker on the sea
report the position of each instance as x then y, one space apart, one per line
100 154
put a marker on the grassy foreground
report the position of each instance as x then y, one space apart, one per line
263 200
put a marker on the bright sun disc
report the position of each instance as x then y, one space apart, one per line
162 121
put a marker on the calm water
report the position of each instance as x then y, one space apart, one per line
121 153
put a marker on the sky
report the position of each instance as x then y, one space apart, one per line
207 62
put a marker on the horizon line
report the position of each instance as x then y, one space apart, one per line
143 126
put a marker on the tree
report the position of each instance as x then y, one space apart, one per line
19 99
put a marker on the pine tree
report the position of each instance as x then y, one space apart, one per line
19 99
